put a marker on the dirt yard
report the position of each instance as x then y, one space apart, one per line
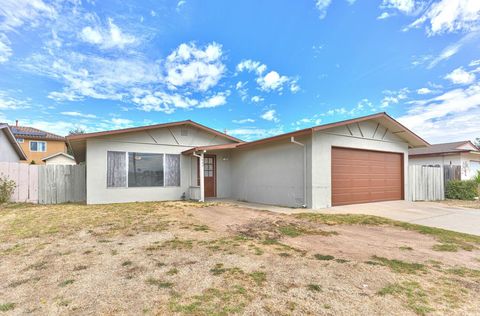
221 259
461 203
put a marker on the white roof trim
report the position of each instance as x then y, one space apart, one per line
58 154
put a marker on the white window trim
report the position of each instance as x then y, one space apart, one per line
164 167
37 141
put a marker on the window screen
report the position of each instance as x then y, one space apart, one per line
172 170
116 169
145 170
38 146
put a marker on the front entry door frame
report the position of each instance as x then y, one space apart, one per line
209 174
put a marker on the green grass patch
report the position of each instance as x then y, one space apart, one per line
405 248
464 272
323 257
464 241
314 287
127 263
159 283
66 282
445 247
412 293
172 271
258 277
7 307
400 266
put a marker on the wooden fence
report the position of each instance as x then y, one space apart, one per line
426 183
46 184
452 172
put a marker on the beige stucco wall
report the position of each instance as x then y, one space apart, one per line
7 153
60 160
53 147
367 136
270 173
164 140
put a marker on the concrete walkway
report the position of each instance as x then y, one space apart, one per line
432 214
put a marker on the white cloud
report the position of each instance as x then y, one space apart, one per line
453 49
120 122
474 63
251 66
189 66
162 101
383 16
322 6
180 4
107 38
215 101
294 87
5 49
460 76
308 121
253 133
424 91
404 6
243 121
16 13
447 16
256 99
9 103
78 114
394 97
270 115
438 119
272 81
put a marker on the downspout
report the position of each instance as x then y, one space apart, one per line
201 174
293 141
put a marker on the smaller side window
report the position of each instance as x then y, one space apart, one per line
20 140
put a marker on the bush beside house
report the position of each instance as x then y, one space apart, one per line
461 189
7 187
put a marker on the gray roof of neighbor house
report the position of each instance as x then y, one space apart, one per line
34 133
5 128
444 148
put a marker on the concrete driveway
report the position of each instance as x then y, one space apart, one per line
463 220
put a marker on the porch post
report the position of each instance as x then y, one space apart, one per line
202 178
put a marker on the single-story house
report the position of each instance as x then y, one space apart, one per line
359 160
464 154
10 150
59 158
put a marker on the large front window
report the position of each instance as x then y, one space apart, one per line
145 170
132 169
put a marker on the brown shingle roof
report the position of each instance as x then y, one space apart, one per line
443 148
34 133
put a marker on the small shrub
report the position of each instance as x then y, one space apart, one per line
323 257
314 287
7 307
461 190
7 187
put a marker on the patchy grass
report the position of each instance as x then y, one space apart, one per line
66 282
464 241
400 266
159 283
7 307
412 293
445 247
258 277
314 287
323 257
405 248
126 263
172 271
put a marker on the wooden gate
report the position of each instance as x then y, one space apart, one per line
46 184
426 183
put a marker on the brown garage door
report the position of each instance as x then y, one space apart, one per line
360 176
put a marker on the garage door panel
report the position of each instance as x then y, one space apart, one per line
360 176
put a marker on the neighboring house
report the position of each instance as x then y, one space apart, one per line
464 154
59 159
38 144
355 161
10 150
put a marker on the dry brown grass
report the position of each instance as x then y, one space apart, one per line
206 259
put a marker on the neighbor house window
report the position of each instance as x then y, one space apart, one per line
19 140
145 170
38 146
116 169
142 169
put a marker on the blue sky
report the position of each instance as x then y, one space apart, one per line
254 68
